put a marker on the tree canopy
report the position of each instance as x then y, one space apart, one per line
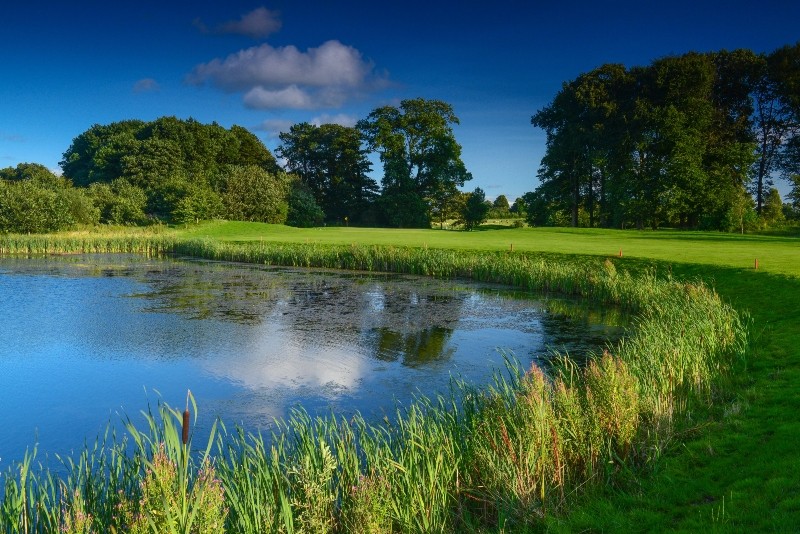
184 170
173 170
144 152
333 164
422 166
34 200
475 209
676 142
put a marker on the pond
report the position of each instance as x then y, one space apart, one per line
86 339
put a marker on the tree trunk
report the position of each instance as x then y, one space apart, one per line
602 215
576 197
762 165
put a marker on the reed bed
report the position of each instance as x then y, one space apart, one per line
482 458
38 244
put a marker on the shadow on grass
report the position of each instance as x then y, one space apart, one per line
484 227
786 235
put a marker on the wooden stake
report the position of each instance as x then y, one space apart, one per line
620 253
756 264
512 247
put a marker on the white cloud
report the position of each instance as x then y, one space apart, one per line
290 97
274 126
330 64
340 118
286 77
146 85
278 361
257 24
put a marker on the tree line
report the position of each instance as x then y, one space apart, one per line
416 145
135 172
176 171
690 141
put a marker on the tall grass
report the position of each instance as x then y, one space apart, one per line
111 243
500 457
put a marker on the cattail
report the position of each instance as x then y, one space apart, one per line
185 436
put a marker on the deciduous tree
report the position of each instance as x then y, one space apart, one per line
421 159
475 209
332 162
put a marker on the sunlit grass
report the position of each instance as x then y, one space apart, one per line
776 254
503 458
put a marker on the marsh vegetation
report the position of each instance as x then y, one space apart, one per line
497 458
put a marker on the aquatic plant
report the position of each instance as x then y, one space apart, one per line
501 457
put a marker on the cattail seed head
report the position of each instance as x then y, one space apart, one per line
185 436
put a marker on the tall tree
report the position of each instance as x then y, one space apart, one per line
794 194
772 212
96 154
333 164
730 143
563 165
250 193
421 159
776 121
168 159
668 143
475 209
582 129
501 203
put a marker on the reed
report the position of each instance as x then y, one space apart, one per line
501 457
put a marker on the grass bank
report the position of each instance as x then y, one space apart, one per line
512 485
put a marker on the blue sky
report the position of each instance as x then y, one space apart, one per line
266 65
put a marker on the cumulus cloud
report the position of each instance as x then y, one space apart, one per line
146 85
289 97
257 24
341 119
273 127
286 77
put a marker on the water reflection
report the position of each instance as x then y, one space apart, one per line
84 336
414 349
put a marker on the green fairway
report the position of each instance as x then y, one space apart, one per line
778 255
739 468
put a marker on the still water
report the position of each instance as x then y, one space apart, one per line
86 339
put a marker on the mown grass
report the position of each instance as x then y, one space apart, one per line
776 254
728 454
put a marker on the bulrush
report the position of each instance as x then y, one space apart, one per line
185 436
